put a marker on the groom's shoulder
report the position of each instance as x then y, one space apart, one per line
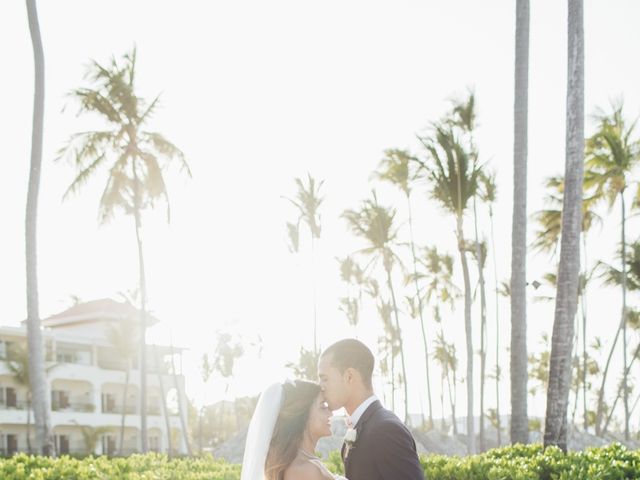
387 420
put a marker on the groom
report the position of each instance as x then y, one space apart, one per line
381 448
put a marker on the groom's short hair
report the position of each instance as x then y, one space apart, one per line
352 353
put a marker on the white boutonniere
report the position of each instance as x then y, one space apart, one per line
349 440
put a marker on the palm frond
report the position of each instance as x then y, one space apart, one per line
395 168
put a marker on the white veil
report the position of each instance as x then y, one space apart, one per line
260 433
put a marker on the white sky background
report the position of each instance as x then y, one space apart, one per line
257 93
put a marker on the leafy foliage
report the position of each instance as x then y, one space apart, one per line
518 462
134 157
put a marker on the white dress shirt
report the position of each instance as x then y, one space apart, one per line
357 413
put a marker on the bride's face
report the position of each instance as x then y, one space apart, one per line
319 424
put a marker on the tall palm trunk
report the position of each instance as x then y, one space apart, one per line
37 376
583 300
200 438
181 412
600 406
471 436
404 369
483 327
419 297
143 316
442 422
393 376
495 279
625 390
163 403
124 406
575 348
29 449
519 429
613 407
569 268
452 403
621 328
313 287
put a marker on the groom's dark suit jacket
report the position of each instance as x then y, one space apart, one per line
384 449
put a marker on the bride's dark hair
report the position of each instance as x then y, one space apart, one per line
297 399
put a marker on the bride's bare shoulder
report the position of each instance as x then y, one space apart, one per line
304 471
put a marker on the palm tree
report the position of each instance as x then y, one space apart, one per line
613 276
488 195
445 355
91 436
121 336
181 408
436 273
375 224
223 361
612 153
395 168
306 368
135 159
41 405
547 239
519 429
352 274
17 361
163 400
464 117
307 202
549 220
206 370
389 343
480 256
453 173
569 267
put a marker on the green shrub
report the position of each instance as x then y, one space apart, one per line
518 462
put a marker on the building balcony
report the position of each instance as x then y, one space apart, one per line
17 405
119 409
73 407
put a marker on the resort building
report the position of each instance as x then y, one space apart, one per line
94 382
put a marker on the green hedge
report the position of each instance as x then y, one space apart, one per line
520 462
136 467
532 462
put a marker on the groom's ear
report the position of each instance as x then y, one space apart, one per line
351 375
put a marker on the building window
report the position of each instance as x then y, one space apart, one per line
154 443
153 405
65 357
62 444
108 403
8 444
5 349
59 399
8 397
109 445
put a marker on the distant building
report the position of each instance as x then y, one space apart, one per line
86 377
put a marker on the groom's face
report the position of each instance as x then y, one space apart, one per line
332 383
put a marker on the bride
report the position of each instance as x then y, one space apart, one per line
288 421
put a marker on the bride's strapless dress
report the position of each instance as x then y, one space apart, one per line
339 477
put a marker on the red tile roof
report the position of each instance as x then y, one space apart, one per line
102 309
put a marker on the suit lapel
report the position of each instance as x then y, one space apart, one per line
368 413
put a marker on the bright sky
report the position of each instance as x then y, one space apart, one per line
257 93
